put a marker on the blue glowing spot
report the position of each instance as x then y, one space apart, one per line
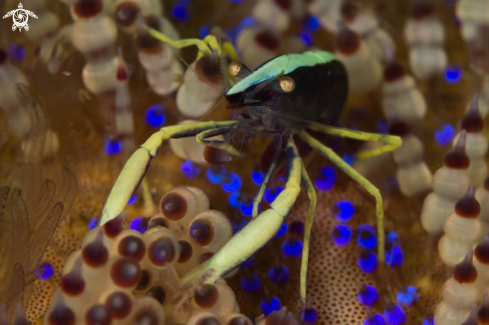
429 320
279 274
453 73
394 237
312 24
341 235
291 247
368 295
190 169
233 33
306 38
367 262
346 210
310 315
270 305
235 200
17 52
231 182
282 231
327 180
257 176
92 224
180 12
132 200
215 174
394 256
349 159
407 297
247 21
250 283
204 31
155 115
247 209
366 237
236 1
281 179
272 193
137 225
376 319
382 126
238 225
112 147
394 314
445 135
45 271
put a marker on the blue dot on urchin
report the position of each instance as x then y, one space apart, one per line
138 225
45 271
310 315
215 174
155 115
394 314
231 182
366 237
367 261
250 283
407 297
344 210
279 274
326 181
270 305
368 295
341 235
394 255
190 169
376 319
292 247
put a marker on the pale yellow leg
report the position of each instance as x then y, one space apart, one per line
391 141
259 231
331 155
311 193
201 138
133 171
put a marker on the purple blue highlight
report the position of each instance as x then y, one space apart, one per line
137 225
231 182
376 319
190 169
453 74
291 247
366 237
45 271
341 235
155 115
368 295
215 174
407 297
279 274
250 283
282 231
346 210
272 193
327 179
92 224
367 262
257 176
310 315
270 305
112 147
394 256
394 314
445 135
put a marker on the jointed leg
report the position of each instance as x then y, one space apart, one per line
133 171
392 141
331 155
259 231
223 145
311 193
271 168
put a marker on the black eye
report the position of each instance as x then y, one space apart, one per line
161 252
201 232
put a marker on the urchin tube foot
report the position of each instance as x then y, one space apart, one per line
258 232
